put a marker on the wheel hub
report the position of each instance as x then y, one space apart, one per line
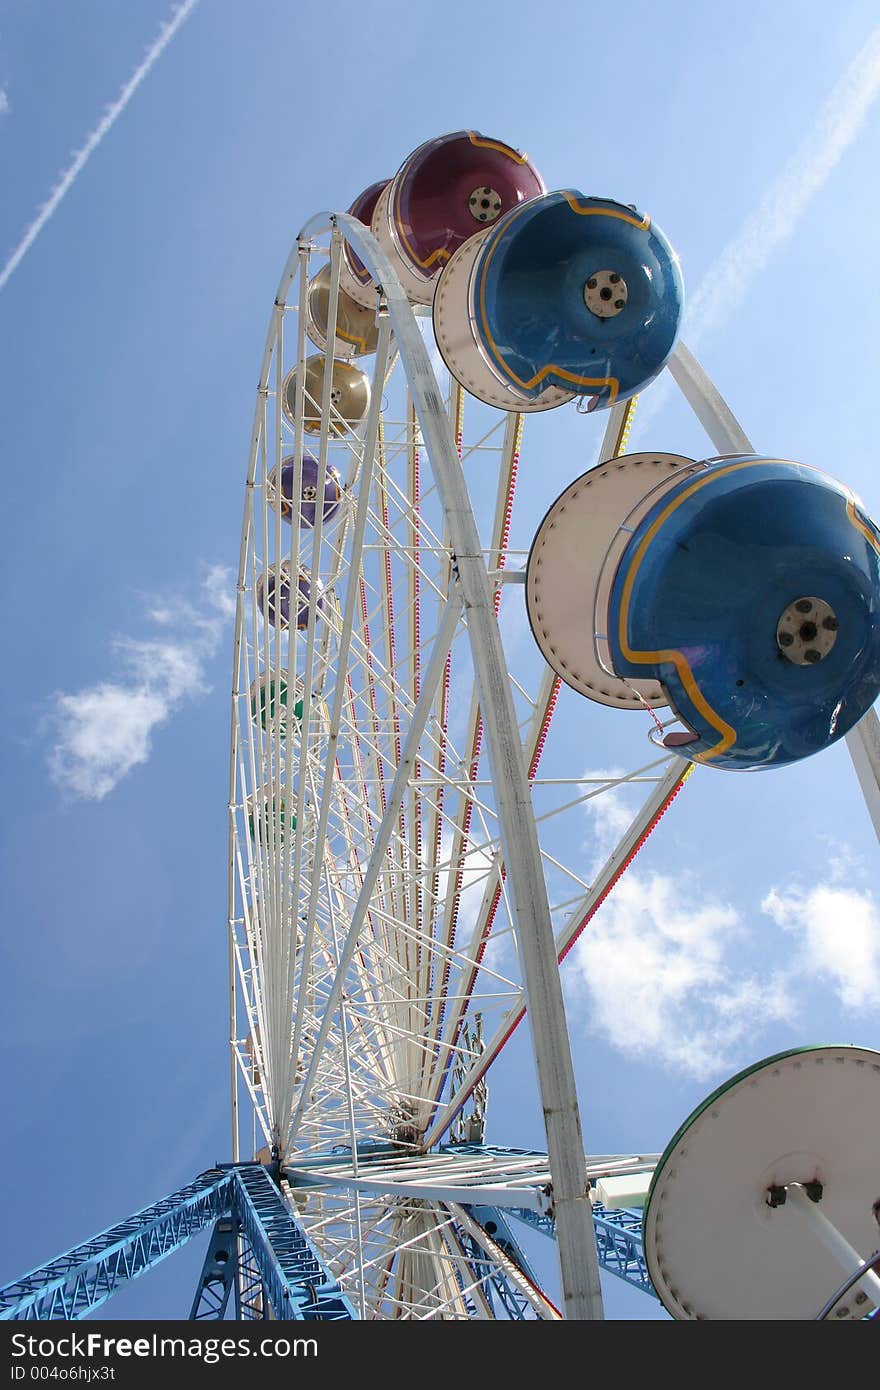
485 205
806 631
605 294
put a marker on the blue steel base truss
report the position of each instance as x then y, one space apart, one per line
496 1285
255 1230
259 1252
618 1241
219 1272
77 1283
296 1282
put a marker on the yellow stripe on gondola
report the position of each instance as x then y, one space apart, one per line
641 223
352 338
677 658
867 531
478 140
611 382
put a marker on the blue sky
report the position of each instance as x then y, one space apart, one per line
130 337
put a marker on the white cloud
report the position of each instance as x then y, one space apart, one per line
842 863
670 954
105 730
216 603
675 954
671 951
4 102
166 666
839 930
219 589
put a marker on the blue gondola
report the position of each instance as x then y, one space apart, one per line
580 293
752 594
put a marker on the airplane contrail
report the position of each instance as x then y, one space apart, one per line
775 219
111 115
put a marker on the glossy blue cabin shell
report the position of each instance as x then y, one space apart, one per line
698 595
531 319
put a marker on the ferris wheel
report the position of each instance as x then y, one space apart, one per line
413 646
406 871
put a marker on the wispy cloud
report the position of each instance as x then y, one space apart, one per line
93 140
608 812
839 938
105 730
775 219
4 102
219 593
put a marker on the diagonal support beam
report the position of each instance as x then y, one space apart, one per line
618 1241
297 1284
250 1215
78 1282
219 1273
496 1254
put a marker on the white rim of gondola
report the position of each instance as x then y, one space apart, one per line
419 289
366 295
453 330
567 561
345 269
715 1246
626 527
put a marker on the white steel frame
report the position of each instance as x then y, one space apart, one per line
295 982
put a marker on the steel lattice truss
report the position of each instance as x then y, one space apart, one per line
78 1282
257 1245
424 1216
618 1241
